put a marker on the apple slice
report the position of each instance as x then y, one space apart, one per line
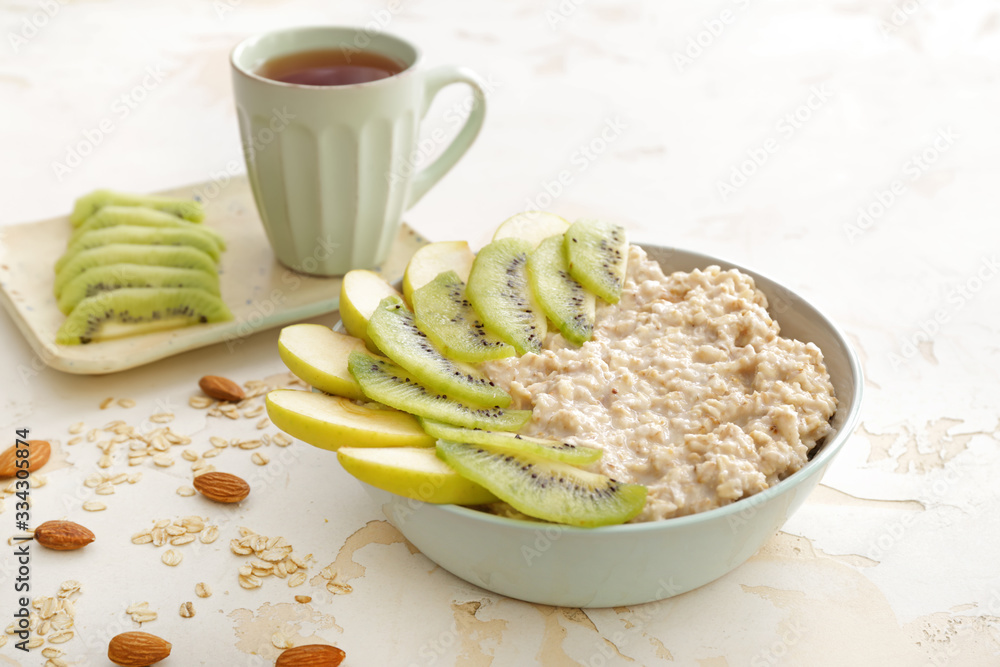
532 226
435 258
330 422
318 355
412 472
360 293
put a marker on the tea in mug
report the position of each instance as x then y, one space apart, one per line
330 67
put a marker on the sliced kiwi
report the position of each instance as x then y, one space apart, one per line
180 257
393 331
117 276
441 311
499 292
135 310
387 383
512 443
597 256
89 204
113 216
565 301
195 237
547 490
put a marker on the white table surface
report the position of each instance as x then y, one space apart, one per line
894 560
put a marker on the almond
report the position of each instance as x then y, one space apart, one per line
137 649
222 487
221 389
38 455
311 655
63 535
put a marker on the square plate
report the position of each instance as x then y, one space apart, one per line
260 292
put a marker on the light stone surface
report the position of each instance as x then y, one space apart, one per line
847 150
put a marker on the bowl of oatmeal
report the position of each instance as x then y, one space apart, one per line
721 391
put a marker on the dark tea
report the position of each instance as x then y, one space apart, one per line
330 67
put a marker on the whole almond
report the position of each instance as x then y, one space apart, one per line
38 455
221 389
311 655
222 487
137 649
63 535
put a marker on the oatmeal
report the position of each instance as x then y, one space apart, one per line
687 386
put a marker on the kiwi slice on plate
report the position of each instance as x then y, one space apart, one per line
597 253
392 329
387 383
512 443
441 310
89 204
135 310
180 257
195 237
547 490
499 292
564 300
116 276
113 216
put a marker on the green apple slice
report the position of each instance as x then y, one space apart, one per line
532 226
317 355
413 473
330 422
433 259
360 293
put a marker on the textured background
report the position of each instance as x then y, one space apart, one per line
847 149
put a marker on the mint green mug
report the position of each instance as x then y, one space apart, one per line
331 167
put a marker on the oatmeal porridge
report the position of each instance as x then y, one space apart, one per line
687 386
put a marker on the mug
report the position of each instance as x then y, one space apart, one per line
331 166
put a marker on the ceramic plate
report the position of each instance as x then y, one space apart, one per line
260 292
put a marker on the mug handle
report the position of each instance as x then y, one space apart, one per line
434 81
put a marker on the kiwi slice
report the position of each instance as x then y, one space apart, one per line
564 300
116 276
499 292
512 443
113 216
441 311
387 383
195 237
135 310
393 331
89 204
122 253
597 256
547 490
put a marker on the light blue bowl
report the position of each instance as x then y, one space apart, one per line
636 563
